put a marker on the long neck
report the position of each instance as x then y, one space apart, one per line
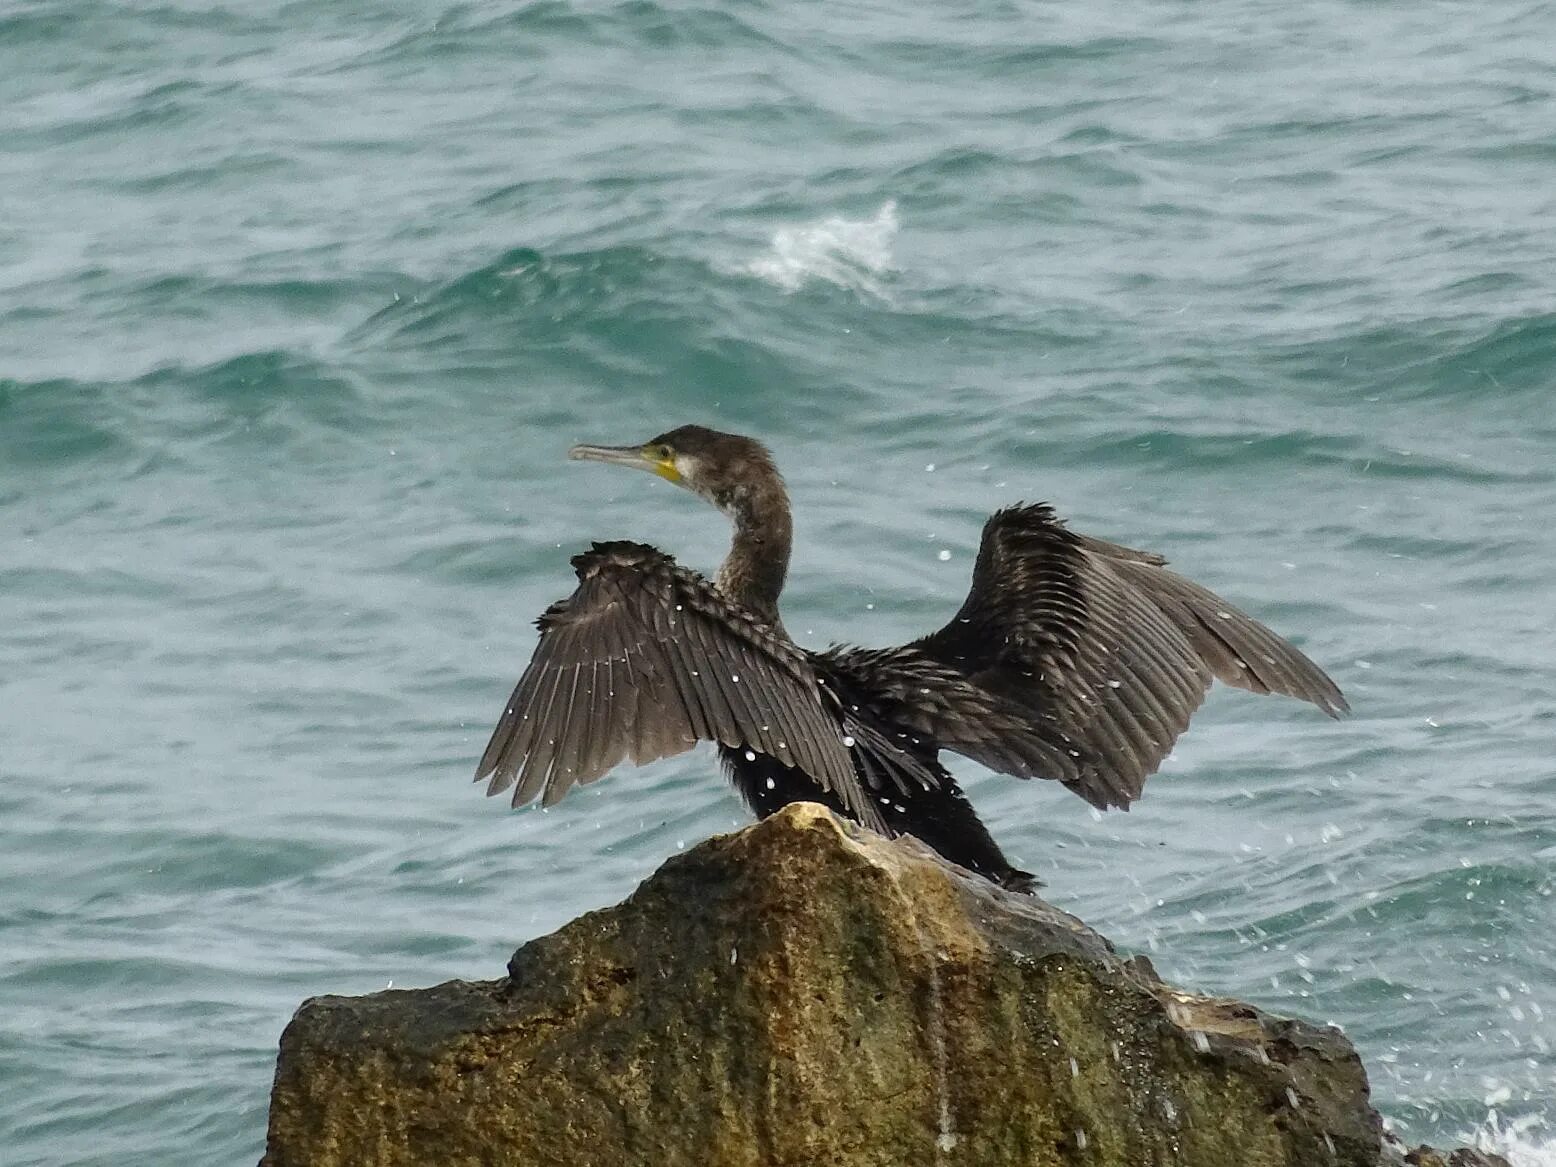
753 572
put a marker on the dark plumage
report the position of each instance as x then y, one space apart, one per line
1071 658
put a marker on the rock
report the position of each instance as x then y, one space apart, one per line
804 993
1428 1157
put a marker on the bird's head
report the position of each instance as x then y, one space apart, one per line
730 471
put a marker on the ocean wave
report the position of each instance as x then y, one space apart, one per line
531 30
522 287
596 316
295 298
1517 355
44 423
122 428
1343 453
855 254
1435 358
281 386
1523 1142
666 326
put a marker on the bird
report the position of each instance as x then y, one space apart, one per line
1071 659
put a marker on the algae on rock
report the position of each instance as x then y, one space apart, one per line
801 992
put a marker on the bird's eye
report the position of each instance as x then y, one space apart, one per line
665 453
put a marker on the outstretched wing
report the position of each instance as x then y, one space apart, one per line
644 660
930 705
1239 650
1106 645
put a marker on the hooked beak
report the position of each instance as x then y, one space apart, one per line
637 457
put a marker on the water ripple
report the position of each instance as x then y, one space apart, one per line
301 306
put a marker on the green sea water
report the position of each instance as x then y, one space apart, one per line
302 304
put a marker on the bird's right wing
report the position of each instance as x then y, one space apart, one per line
644 660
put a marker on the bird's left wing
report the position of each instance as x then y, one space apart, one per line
928 704
1239 649
644 660
1107 647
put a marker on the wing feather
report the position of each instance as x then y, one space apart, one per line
935 706
602 711
542 733
688 688
642 660
709 673
1239 649
1106 645
573 741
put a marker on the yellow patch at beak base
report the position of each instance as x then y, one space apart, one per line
664 467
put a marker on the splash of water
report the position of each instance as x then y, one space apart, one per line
850 253
1523 1142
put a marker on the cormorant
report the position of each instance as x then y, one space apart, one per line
1071 658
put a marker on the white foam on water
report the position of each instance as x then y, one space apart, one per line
1523 1142
850 253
